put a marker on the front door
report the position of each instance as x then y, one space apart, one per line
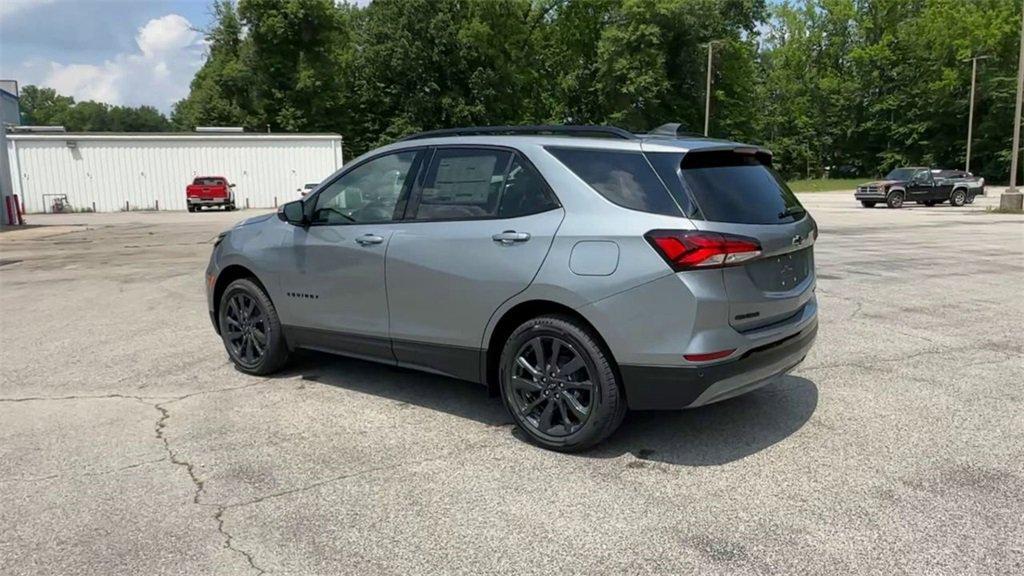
475 235
921 186
334 295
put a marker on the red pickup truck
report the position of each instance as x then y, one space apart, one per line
210 191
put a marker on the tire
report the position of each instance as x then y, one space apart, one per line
958 197
970 199
555 409
867 203
191 208
229 207
240 330
894 199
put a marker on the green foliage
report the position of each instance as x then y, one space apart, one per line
824 184
44 107
841 86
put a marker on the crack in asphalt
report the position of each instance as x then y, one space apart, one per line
172 456
198 483
349 475
86 474
983 347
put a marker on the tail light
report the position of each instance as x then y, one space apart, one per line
688 250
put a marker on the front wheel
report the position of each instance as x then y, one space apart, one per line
250 329
894 200
958 197
559 384
867 204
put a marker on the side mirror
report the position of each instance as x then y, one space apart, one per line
293 213
231 185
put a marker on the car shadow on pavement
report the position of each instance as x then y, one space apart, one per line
456 397
706 436
719 433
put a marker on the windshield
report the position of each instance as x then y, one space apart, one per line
901 174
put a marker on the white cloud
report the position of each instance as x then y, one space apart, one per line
167 34
158 74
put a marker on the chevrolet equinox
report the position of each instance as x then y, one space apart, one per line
576 271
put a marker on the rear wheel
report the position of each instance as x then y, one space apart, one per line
191 208
867 203
958 197
894 200
559 384
250 329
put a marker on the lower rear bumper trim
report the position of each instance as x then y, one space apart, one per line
676 387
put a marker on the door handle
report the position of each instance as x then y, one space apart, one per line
509 237
369 239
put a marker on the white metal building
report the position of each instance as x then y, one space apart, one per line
143 171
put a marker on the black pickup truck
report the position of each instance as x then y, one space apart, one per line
928 186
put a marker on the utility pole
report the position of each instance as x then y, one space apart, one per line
970 113
1012 198
707 89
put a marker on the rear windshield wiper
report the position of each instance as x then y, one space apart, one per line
794 212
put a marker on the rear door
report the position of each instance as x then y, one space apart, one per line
737 193
477 231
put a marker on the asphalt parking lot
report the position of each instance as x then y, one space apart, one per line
129 445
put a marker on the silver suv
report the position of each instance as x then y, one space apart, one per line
577 271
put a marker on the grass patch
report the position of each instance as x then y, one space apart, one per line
826 185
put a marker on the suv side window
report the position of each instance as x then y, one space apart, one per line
367 193
624 178
463 183
524 192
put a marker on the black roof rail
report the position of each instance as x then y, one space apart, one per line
553 129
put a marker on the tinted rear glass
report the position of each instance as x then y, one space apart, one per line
731 187
208 182
624 178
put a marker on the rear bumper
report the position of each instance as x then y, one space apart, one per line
675 387
208 201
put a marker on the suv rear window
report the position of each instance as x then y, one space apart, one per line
624 178
735 187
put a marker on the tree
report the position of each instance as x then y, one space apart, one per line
857 85
44 107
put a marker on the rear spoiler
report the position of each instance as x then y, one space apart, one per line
716 155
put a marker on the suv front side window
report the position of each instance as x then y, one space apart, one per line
368 193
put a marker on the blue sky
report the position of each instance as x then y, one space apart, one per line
129 52
118 51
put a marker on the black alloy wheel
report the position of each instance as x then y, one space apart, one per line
250 329
246 327
559 384
551 386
